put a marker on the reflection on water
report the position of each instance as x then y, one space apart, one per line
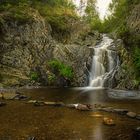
20 120
97 133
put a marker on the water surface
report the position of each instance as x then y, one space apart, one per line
19 121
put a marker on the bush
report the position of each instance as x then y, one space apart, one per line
34 76
51 78
61 68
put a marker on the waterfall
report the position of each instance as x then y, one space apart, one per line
104 63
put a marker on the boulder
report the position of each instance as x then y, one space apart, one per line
131 114
108 121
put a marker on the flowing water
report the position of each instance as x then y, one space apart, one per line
19 120
105 61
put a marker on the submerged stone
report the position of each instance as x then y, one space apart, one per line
108 121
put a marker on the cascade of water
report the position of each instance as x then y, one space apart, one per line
104 62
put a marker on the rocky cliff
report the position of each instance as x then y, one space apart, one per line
26 47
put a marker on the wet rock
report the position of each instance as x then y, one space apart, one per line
21 97
107 109
39 103
84 107
9 96
54 103
138 117
2 104
136 134
121 111
108 121
71 105
31 138
99 106
32 101
131 114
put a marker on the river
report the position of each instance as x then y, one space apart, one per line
19 120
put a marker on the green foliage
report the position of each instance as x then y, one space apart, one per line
18 11
92 17
61 68
51 78
34 76
56 12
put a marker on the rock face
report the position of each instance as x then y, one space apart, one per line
26 47
126 73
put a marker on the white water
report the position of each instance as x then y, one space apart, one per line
103 63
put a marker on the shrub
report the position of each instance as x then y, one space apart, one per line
61 68
34 76
51 78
